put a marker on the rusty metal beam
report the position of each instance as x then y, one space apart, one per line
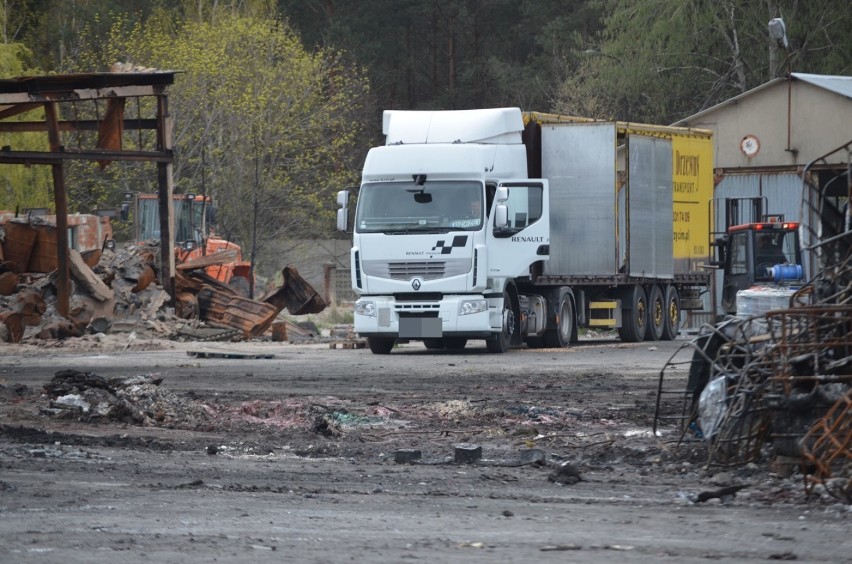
80 94
52 157
63 276
18 109
25 94
84 81
165 188
79 125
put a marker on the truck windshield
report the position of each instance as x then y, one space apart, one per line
403 207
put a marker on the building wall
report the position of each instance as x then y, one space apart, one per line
820 121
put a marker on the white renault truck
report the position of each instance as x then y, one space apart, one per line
518 227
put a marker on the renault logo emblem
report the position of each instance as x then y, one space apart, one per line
416 283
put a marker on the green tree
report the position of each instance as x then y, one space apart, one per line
660 60
453 54
263 126
23 187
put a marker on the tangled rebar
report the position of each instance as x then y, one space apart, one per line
779 383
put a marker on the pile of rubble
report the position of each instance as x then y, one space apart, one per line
137 400
779 384
115 290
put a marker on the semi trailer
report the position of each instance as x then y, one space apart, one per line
521 227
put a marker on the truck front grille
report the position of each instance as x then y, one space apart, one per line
406 270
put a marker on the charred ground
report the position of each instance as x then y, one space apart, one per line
236 458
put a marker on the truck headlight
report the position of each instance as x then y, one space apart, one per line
466 307
364 307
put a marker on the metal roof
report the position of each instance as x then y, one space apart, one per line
841 85
98 80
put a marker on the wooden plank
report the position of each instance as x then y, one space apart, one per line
209 260
81 272
228 354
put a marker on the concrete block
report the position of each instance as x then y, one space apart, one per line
406 455
467 453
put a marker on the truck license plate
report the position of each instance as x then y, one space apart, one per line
420 328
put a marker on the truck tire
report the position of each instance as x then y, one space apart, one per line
433 344
656 314
500 343
672 326
380 345
634 316
563 333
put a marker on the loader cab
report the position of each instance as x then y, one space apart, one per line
194 215
758 253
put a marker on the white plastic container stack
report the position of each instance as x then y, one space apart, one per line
757 300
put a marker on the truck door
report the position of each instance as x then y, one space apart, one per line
738 273
519 227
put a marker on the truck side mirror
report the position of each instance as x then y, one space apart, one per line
343 212
501 216
502 194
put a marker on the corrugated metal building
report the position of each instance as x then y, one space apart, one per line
772 139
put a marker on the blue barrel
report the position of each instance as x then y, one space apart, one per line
781 272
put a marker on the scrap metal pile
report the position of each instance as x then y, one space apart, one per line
776 385
118 288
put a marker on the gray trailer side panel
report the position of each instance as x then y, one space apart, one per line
579 162
650 207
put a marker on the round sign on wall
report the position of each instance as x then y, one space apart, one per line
750 145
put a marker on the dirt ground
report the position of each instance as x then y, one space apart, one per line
291 456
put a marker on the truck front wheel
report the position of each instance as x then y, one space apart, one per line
562 335
380 345
500 342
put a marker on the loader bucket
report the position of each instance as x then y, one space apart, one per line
296 294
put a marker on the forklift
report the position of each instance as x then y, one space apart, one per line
756 249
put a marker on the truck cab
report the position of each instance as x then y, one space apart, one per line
443 225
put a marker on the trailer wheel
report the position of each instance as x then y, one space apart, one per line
433 344
380 345
454 343
500 342
672 326
656 314
562 335
634 316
